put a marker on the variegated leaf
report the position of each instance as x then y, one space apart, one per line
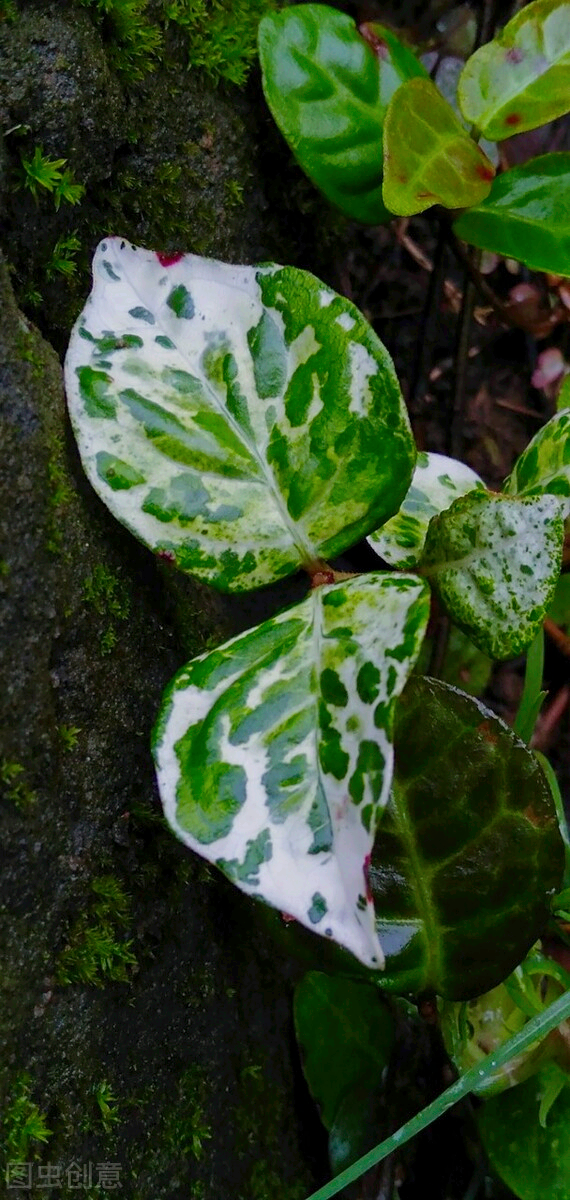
494 561
544 467
437 481
274 753
521 79
240 421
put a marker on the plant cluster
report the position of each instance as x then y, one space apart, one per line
41 172
374 133
245 422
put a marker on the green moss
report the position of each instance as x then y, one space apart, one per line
97 951
23 1127
69 735
60 492
262 1125
106 593
186 1128
217 36
107 1105
14 785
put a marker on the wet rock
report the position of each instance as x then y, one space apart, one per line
135 1011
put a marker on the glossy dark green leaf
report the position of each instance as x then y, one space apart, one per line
468 852
521 79
345 1033
328 87
428 157
532 1159
526 215
466 858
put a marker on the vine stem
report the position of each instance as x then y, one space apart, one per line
535 1030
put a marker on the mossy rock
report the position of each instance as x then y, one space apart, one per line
120 984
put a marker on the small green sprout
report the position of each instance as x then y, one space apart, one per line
23 1123
41 172
69 735
15 786
62 259
107 1104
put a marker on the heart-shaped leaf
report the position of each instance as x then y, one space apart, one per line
522 78
428 156
544 467
466 857
274 753
437 481
239 420
345 1033
526 215
531 1158
328 88
494 561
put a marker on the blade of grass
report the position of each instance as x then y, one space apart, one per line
559 806
533 1031
533 696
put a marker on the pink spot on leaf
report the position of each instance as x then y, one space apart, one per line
376 43
514 55
167 556
485 172
168 260
513 119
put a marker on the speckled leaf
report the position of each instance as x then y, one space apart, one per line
532 1159
522 78
428 156
328 88
526 215
437 481
240 421
274 752
467 856
544 467
345 1033
493 561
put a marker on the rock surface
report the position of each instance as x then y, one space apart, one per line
143 1014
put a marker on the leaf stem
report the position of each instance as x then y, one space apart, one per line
536 1029
533 696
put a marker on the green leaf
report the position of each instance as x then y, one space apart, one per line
493 561
274 753
345 1033
544 467
526 215
255 417
437 481
532 1159
468 852
328 91
428 156
559 610
522 78
533 697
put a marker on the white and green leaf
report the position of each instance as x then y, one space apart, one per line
437 481
274 753
544 467
521 79
493 561
241 421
